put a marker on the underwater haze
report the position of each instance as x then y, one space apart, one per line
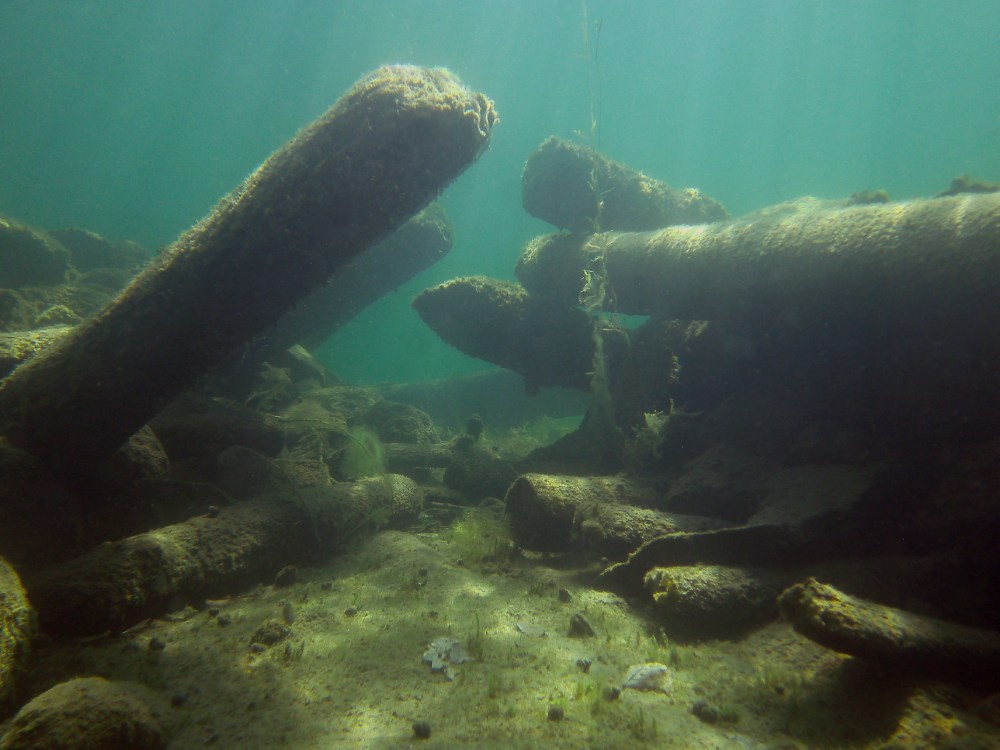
133 118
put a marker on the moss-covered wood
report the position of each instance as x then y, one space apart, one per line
893 637
921 261
378 156
282 522
577 188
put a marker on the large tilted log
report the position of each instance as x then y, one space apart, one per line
414 247
577 188
894 637
934 259
119 583
378 156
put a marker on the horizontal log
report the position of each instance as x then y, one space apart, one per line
555 513
923 261
378 156
498 321
577 188
119 583
899 639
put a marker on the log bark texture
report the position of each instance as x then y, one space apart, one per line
378 156
894 637
577 188
119 583
499 322
934 259
555 513
17 630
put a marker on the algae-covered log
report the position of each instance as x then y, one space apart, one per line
574 187
378 156
895 637
282 522
498 321
17 630
549 512
924 260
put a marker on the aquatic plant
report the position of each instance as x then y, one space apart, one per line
480 535
364 455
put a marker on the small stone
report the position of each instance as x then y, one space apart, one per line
422 730
556 713
155 644
213 612
224 620
610 693
213 511
564 596
287 612
270 633
706 712
286 577
584 665
350 611
579 627
178 699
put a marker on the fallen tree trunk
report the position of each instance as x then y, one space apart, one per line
499 322
554 513
414 247
123 582
577 188
894 637
934 259
17 630
376 157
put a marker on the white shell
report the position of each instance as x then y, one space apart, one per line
650 676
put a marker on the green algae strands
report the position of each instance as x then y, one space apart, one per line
379 155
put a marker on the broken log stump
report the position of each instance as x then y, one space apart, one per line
378 156
893 637
577 188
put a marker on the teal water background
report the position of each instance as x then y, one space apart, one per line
133 118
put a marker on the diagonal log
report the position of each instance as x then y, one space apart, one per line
378 156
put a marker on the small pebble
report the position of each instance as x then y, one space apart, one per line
584 665
213 612
287 612
565 596
224 620
155 644
422 730
556 713
350 611
213 511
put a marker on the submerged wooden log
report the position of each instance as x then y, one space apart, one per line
414 247
577 188
379 155
17 630
894 637
120 583
554 513
931 260
498 321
